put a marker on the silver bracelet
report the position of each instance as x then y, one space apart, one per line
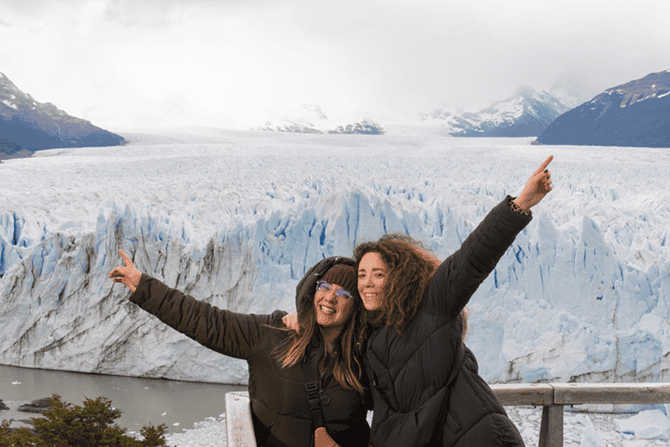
517 209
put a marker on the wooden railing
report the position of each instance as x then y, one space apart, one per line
552 397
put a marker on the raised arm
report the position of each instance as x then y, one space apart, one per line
459 276
229 333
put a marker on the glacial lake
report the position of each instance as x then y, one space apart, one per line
141 401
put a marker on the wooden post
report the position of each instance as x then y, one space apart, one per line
551 428
239 426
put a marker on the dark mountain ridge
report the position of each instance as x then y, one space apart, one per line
27 125
634 114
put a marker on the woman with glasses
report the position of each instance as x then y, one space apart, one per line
326 351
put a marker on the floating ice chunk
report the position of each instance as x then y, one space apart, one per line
650 424
590 436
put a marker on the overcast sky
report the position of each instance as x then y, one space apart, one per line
213 62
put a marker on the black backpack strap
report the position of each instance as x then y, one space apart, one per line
314 394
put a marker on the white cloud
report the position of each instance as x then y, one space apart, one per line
113 60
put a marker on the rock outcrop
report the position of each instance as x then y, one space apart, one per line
633 114
27 125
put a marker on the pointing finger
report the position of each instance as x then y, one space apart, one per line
126 259
544 165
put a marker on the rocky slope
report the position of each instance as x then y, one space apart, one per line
27 125
633 114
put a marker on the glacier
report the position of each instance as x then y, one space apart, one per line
236 218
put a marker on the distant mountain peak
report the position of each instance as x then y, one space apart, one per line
524 90
654 85
525 113
316 110
310 118
636 114
27 125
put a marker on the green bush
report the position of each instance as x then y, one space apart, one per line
16 438
69 425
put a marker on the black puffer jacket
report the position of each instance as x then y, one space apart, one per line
280 409
410 371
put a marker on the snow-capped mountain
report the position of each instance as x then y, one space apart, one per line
525 113
633 114
310 118
27 125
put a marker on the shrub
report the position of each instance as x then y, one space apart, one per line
69 425
16 438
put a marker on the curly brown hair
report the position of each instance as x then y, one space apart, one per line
410 267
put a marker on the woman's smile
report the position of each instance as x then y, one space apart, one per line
333 309
372 273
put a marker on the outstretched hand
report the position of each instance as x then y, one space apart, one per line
291 321
128 274
537 186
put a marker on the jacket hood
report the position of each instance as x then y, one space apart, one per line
307 286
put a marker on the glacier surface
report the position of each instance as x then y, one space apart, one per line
236 218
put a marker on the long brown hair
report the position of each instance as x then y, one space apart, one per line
410 268
347 368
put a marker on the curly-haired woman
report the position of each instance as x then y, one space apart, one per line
426 387
326 351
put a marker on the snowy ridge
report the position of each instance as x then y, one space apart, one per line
652 86
526 112
310 118
582 295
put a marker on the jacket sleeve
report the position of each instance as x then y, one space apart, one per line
229 333
459 276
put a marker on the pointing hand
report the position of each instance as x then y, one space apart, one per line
537 186
128 274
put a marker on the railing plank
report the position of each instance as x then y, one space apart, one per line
512 394
611 393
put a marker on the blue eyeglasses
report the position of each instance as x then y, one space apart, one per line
327 286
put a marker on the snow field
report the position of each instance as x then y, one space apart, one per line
580 430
